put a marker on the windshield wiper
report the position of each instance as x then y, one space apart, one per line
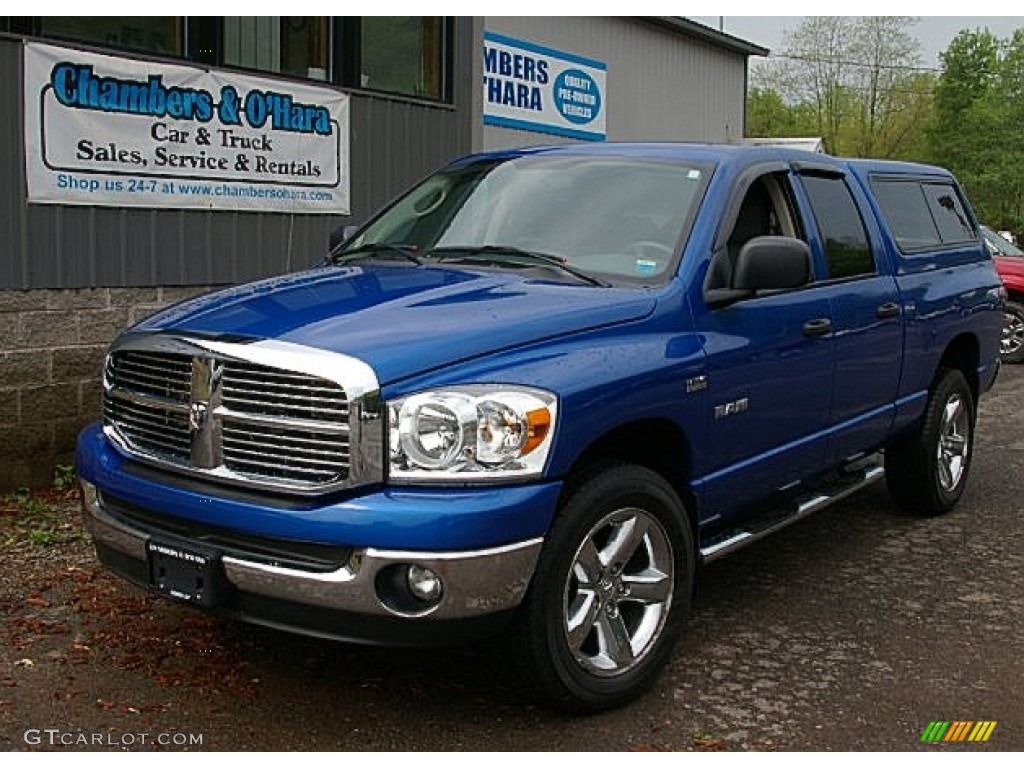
368 250
509 255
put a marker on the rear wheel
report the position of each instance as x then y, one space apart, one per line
1011 348
927 471
610 592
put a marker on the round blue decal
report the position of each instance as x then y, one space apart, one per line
577 96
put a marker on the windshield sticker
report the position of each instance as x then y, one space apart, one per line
645 267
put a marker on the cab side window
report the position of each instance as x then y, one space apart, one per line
766 209
847 250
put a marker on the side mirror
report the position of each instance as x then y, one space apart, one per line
772 263
341 234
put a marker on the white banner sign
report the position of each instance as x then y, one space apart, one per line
533 88
106 130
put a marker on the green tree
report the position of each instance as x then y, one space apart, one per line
810 70
900 135
887 80
976 129
859 77
768 115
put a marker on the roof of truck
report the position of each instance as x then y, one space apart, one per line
710 153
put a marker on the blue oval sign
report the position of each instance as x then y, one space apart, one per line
577 97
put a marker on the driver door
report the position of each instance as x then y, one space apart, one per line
769 362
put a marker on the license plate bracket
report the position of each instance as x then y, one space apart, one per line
186 573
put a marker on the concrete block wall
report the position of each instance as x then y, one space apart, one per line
52 344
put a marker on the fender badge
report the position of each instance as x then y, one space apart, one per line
732 409
696 384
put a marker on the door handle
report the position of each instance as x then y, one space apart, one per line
820 326
889 309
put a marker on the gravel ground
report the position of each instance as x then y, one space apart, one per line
849 631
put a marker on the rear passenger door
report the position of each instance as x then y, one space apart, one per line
865 308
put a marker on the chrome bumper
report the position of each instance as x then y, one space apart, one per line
476 583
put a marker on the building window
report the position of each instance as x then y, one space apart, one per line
162 35
402 54
305 42
289 45
406 55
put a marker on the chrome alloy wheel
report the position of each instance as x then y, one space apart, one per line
618 592
954 442
1013 334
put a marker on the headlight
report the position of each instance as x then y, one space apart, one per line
462 434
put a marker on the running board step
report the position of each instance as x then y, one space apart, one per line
849 481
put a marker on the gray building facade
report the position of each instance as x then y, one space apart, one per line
667 79
72 275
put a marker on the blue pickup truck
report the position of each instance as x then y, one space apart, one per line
536 392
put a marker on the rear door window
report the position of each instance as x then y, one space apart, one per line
847 250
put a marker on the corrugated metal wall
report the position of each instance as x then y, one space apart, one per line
662 86
394 142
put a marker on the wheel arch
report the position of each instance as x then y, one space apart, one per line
963 354
659 444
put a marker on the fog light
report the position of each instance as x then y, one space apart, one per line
424 584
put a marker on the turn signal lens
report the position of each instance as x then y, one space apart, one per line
539 423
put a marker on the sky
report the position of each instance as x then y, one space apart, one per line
934 32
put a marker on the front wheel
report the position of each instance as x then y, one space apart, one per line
610 592
927 471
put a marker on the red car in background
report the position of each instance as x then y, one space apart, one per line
1009 261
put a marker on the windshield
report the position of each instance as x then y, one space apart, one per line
999 245
621 218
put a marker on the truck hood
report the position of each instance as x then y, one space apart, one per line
403 320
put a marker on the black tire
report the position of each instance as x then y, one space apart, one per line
627 513
927 471
1011 348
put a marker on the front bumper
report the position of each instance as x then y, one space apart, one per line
327 568
477 584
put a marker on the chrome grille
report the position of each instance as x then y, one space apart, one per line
159 375
152 413
150 429
258 389
258 449
231 419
